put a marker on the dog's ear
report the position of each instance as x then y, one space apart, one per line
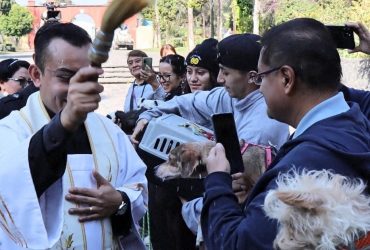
189 163
309 201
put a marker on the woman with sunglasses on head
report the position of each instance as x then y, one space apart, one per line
14 75
16 82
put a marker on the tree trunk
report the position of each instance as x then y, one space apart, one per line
256 20
212 19
190 28
203 25
157 37
219 20
233 13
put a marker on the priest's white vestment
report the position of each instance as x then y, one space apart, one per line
27 221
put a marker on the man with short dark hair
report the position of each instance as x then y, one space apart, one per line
70 179
238 57
299 73
145 83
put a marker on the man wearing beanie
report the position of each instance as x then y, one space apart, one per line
238 58
202 66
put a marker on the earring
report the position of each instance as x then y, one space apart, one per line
182 86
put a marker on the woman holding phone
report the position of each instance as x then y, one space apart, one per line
171 76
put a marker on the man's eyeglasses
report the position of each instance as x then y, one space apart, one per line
165 77
22 81
259 77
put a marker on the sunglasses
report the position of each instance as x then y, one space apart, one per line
22 81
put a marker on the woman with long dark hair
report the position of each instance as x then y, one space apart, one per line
171 76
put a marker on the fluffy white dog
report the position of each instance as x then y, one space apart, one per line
318 210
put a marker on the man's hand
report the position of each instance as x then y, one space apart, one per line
240 187
364 35
94 204
83 97
139 127
216 161
149 76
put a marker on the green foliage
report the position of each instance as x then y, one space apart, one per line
173 14
148 12
337 12
244 13
17 23
360 11
196 4
326 11
173 18
289 9
170 12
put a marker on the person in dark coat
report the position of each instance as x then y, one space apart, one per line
16 101
362 97
299 73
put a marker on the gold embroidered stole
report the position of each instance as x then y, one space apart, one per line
105 157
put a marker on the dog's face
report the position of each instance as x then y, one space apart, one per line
317 210
185 161
188 161
293 218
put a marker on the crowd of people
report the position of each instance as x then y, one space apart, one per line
73 179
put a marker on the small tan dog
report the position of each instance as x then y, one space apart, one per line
188 161
318 210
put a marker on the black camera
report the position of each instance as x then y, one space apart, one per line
342 36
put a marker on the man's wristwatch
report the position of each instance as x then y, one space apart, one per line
122 209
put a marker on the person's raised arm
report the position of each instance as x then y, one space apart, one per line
48 147
150 77
364 35
83 98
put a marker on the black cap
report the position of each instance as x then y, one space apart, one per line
205 55
240 51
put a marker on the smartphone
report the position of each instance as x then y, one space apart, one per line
225 133
343 36
147 61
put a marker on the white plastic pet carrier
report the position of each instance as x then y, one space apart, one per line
168 131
